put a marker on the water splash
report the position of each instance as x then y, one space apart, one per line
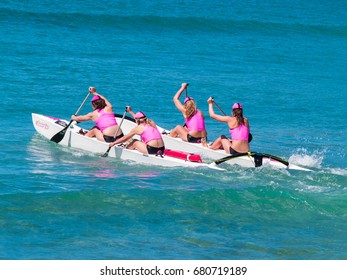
303 158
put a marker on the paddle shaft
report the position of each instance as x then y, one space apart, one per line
84 101
79 109
219 107
118 128
115 135
186 91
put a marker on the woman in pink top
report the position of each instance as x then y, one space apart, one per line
103 116
152 141
238 128
194 130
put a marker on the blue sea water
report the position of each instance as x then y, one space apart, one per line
285 61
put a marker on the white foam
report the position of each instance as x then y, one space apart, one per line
338 171
304 159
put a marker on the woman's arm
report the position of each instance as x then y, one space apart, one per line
132 133
213 115
176 100
108 104
83 118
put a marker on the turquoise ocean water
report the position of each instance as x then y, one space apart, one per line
285 61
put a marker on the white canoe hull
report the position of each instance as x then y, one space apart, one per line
48 127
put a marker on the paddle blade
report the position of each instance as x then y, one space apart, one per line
59 136
106 153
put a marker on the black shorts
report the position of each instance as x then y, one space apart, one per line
110 139
192 139
154 150
232 151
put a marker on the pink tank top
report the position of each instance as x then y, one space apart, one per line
150 133
196 122
239 133
105 120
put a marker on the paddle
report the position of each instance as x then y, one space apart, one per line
60 135
219 108
250 136
115 135
186 92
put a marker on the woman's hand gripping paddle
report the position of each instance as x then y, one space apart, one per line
60 135
115 135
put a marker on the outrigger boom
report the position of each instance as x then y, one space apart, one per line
259 158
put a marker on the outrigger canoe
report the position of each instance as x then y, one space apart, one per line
48 127
249 159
